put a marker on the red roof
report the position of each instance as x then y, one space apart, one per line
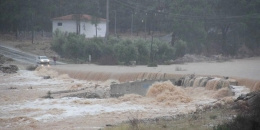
74 16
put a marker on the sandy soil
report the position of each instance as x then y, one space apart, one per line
21 105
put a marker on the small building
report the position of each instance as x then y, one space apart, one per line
81 24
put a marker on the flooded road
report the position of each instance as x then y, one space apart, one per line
17 55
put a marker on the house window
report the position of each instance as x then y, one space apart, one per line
59 24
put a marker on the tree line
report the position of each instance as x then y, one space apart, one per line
117 51
207 26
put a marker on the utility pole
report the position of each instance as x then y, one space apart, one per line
151 53
107 23
32 27
115 22
145 26
132 24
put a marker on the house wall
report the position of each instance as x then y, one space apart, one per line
67 26
89 30
86 28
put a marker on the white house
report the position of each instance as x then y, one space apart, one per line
80 24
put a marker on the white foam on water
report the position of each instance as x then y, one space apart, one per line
238 90
67 108
27 78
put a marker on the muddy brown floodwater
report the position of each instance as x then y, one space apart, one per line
241 68
22 105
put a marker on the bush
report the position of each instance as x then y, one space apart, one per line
107 55
165 52
59 39
93 49
77 47
180 48
73 45
152 64
143 51
131 53
125 51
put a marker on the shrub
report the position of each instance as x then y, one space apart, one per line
59 39
107 55
119 52
131 53
180 48
143 51
93 49
152 64
73 45
165 52
125 52
213 117
77 47
113 40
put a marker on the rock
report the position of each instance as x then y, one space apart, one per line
248 96
2 59
233 82
179 82
8 68
109 125
209 82
46 77
14 68
12 88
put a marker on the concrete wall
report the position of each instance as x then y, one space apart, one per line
138 87
141 87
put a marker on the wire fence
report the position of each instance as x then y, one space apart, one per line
36 35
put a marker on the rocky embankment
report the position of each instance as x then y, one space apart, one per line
6 68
